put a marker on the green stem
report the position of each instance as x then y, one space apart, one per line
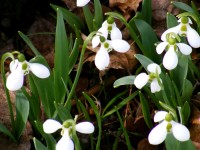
79 69
4 57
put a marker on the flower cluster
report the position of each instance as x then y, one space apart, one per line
66 143
167 125
19 68
170 37
108 27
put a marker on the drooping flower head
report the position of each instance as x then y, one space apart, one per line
81 3
67 129
167 125
19 68
170 44
184 29
153 77
115 42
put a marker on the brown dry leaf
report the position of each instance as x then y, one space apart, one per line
125 5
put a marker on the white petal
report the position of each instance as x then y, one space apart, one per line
161 47
180 132
81 3
153 68
193 37
85 127
65 143
116 34
39 70
159 116
13 65
170 59
15 79
184 48
103 31
158 134
141 80
155 87
51 126
120 45
95 41
175 30
102 59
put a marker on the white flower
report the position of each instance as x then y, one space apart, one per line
20 68
167 125
102 58
184 29
66 143
142 79
81 3
170 60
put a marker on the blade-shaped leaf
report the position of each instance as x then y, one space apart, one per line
38 145
128 80
22 112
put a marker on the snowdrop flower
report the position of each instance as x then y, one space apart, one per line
108 27
19 68
170 60
142 79
66 143
81 3
167 125
184 29
102 58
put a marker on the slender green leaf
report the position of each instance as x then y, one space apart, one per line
88 18
186 111
38 145
171 20
61 60
29 43
179 74
169 108
183 6
98 14
63 112
112 101
45 88
148 38
145 61
121 104
4 130
97 114
74 55
22 112
128 143
145 110
147 11
70 17
128 80
187 91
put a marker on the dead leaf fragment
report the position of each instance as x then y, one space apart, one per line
125 5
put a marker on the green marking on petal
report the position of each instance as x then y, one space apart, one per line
106 45
184 20
168 117
168 127
21 57
110 20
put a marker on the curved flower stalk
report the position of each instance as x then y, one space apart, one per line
67 128
102 58
184 29
142 79
19 68
81 3
170 60
159 133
